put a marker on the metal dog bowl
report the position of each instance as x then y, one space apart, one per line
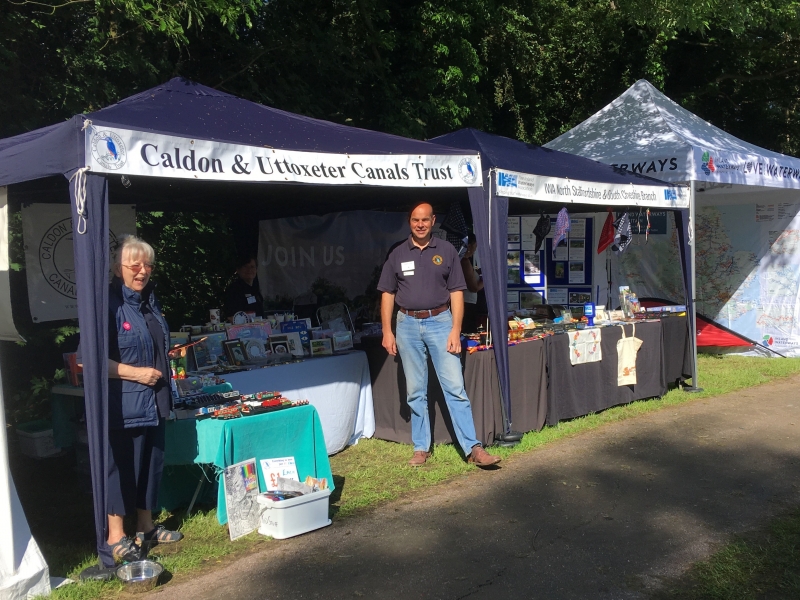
140 576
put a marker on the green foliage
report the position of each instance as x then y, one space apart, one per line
530 69
195 257
328 292
33 402
62 58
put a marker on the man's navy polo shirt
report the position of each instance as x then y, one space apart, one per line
422 279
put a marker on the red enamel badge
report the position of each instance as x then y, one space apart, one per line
126 326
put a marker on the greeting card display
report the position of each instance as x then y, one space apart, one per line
300 327
321 347
259 331
279 344
342 340
209 350
235 352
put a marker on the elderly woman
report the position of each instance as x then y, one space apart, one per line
139 400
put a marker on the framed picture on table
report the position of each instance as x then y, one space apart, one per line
235 352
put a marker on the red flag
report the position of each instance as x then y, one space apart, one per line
607 235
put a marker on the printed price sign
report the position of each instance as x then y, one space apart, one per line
272 468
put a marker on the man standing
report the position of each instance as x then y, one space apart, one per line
424 276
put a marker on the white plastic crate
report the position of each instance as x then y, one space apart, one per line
288 518
36 439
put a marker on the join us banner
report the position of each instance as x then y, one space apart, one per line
128 152
346 248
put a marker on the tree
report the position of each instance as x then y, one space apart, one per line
62 58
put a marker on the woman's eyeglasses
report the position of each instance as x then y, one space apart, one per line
137 267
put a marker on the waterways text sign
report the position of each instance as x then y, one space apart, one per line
126 152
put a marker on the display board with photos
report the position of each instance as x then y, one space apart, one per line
525 276
563 277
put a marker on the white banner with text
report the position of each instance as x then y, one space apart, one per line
127 152
555 189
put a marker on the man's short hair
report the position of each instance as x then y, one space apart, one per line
416 205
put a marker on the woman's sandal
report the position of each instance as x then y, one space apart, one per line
159 535
126 550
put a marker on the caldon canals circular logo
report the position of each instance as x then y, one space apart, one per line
109 150
468 170
57 260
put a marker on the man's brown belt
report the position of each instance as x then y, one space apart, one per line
424 314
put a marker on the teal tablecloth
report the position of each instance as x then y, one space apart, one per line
291 432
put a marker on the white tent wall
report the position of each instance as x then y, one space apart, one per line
23 570
747 229
7 330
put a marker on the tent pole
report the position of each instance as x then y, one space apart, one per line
695 387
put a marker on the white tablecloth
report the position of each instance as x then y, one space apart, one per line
339 387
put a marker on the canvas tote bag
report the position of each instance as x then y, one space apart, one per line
627 347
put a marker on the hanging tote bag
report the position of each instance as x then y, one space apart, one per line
627 347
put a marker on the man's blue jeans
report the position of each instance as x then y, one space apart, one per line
416 339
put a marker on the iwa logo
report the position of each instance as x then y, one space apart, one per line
468 170
109 150
767 340
506 179
708 164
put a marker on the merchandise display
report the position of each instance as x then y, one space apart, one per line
229 404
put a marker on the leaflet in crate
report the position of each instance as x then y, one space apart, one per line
273 468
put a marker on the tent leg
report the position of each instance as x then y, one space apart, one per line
510 438
196 493
695 387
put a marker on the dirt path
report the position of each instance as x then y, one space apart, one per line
607 514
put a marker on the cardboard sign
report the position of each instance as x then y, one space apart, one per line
272 468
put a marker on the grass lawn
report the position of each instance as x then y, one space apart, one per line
375 471
762 564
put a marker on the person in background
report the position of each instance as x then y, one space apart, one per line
139 401
424 276
474 285
243 294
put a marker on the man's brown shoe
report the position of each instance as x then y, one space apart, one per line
481 458
419 458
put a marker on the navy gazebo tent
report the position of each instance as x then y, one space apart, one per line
183 144
519 173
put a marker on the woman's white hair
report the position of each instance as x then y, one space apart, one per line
137 249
